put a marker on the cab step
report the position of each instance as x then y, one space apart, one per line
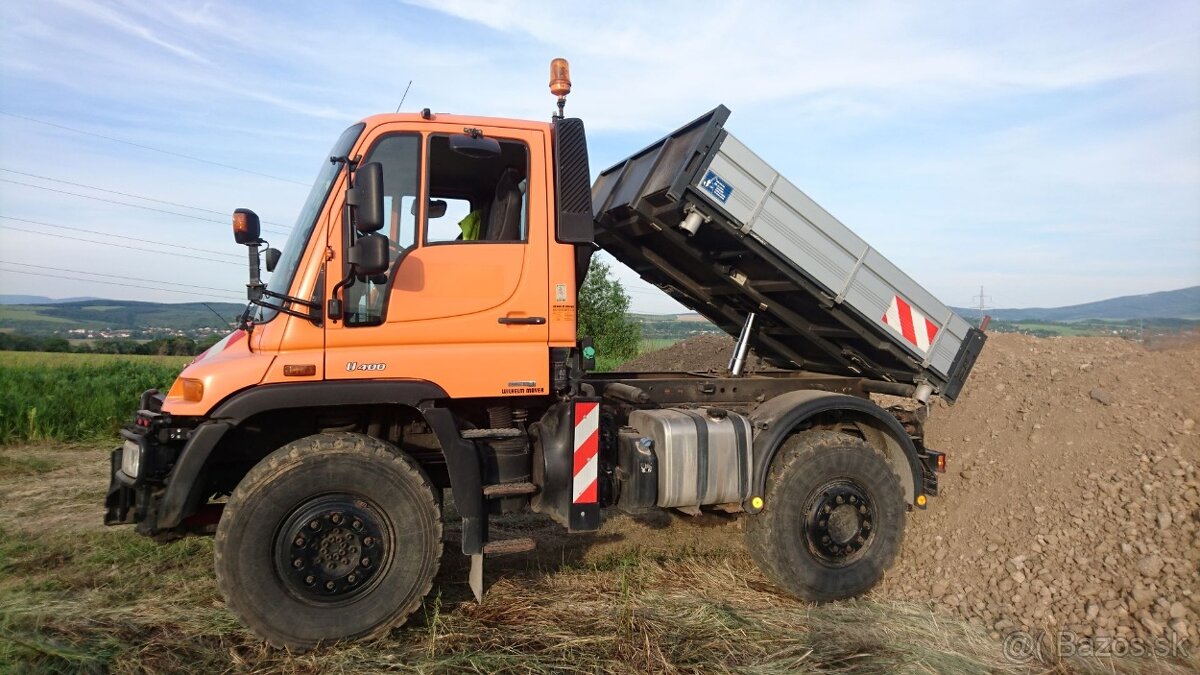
490 434
505 546
498 547
508 490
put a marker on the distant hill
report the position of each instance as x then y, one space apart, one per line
59 317
39 300
1181 304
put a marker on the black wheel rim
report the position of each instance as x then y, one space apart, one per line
839 522
333 548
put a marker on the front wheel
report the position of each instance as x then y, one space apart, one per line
334 536
833 518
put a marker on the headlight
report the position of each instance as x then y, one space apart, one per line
131 459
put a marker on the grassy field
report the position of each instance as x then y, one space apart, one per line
678 595
75 397
77 597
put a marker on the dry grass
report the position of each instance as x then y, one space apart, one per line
91 599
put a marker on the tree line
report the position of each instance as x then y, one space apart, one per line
167 346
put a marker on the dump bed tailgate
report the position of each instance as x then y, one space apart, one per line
825 300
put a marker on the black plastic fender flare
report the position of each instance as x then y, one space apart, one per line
182 489
779 417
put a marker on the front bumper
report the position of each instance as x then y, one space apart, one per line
139 467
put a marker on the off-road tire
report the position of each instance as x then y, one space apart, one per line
375 474
778 539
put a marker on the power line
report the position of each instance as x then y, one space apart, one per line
113 283
106 243
107 234
127 194
153 149
114 201
114 276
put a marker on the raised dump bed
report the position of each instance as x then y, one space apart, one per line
705 219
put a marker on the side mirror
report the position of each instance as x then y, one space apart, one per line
475 147
369 255
272 255
366 197
246 228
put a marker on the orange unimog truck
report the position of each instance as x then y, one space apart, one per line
419 335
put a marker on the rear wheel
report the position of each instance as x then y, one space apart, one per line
833 518
335 536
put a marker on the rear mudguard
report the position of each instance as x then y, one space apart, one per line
788 413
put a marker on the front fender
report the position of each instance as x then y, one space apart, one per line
183 492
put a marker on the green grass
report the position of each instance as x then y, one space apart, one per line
606 364
75 397
25 466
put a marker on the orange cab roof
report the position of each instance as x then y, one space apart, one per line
464 120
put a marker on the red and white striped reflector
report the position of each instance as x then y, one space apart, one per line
913 325
587 449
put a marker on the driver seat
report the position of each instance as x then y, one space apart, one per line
504 218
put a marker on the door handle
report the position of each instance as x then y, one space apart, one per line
522 320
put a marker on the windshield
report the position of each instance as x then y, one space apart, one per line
285 270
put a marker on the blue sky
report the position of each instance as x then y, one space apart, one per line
1049 152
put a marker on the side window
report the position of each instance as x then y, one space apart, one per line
444 224
400 156
485 198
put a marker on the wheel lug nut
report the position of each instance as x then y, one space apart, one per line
336 518
299 541
366 562
329 585
297 563
367 541
314 525
357 525
840 499
309 579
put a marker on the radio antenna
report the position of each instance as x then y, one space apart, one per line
404 96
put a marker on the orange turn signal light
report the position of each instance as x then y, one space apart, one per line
246 227
560 77
300 370
187 388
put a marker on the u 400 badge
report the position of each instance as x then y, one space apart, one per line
352 366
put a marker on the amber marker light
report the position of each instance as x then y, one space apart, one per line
300 370
188 389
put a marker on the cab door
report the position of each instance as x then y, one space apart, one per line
464 304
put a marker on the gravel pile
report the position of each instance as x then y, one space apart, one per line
1072 499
